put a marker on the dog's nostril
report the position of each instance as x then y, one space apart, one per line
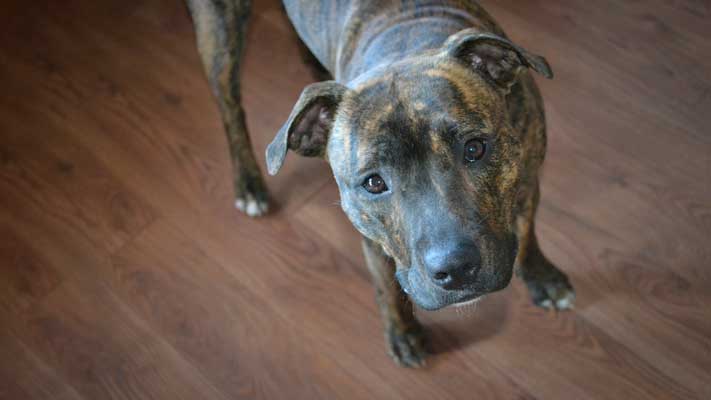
452 265
440 276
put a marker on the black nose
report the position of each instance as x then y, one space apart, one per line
452 266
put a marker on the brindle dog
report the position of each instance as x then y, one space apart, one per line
435 132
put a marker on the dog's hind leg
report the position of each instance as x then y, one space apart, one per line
548 286
403 334
220 27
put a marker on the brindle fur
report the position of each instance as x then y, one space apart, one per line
403 334
412 81
220 27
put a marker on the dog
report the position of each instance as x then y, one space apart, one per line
435 131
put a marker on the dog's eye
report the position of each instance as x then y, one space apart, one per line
474 150
375 184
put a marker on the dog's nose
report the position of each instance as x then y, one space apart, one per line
453 266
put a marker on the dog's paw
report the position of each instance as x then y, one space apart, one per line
555 294
251 196
252 206
407 346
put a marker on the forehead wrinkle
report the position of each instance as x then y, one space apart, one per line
373 137
389 121
368 160
396 134
445 104
369 107
476 96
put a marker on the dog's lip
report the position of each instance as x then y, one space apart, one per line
401 276
468 301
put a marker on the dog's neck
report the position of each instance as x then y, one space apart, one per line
389 38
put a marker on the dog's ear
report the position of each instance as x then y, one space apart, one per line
497 59
307 129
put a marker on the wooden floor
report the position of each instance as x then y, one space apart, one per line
125 273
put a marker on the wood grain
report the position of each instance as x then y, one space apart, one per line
125 273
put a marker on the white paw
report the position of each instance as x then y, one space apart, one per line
559 299
251 206
566 301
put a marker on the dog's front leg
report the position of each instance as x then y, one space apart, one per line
548 286
220 27
403 334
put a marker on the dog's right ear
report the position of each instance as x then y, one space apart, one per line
309 125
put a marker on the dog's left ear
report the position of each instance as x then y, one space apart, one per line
309 125
494 57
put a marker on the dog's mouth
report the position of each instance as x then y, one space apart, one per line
401 276
495 269
475 299
432 298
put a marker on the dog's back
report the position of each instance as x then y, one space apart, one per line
339 31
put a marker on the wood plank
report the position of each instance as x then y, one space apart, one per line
84 333
231 334
27 377
309 285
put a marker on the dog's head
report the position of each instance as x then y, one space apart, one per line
426 161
